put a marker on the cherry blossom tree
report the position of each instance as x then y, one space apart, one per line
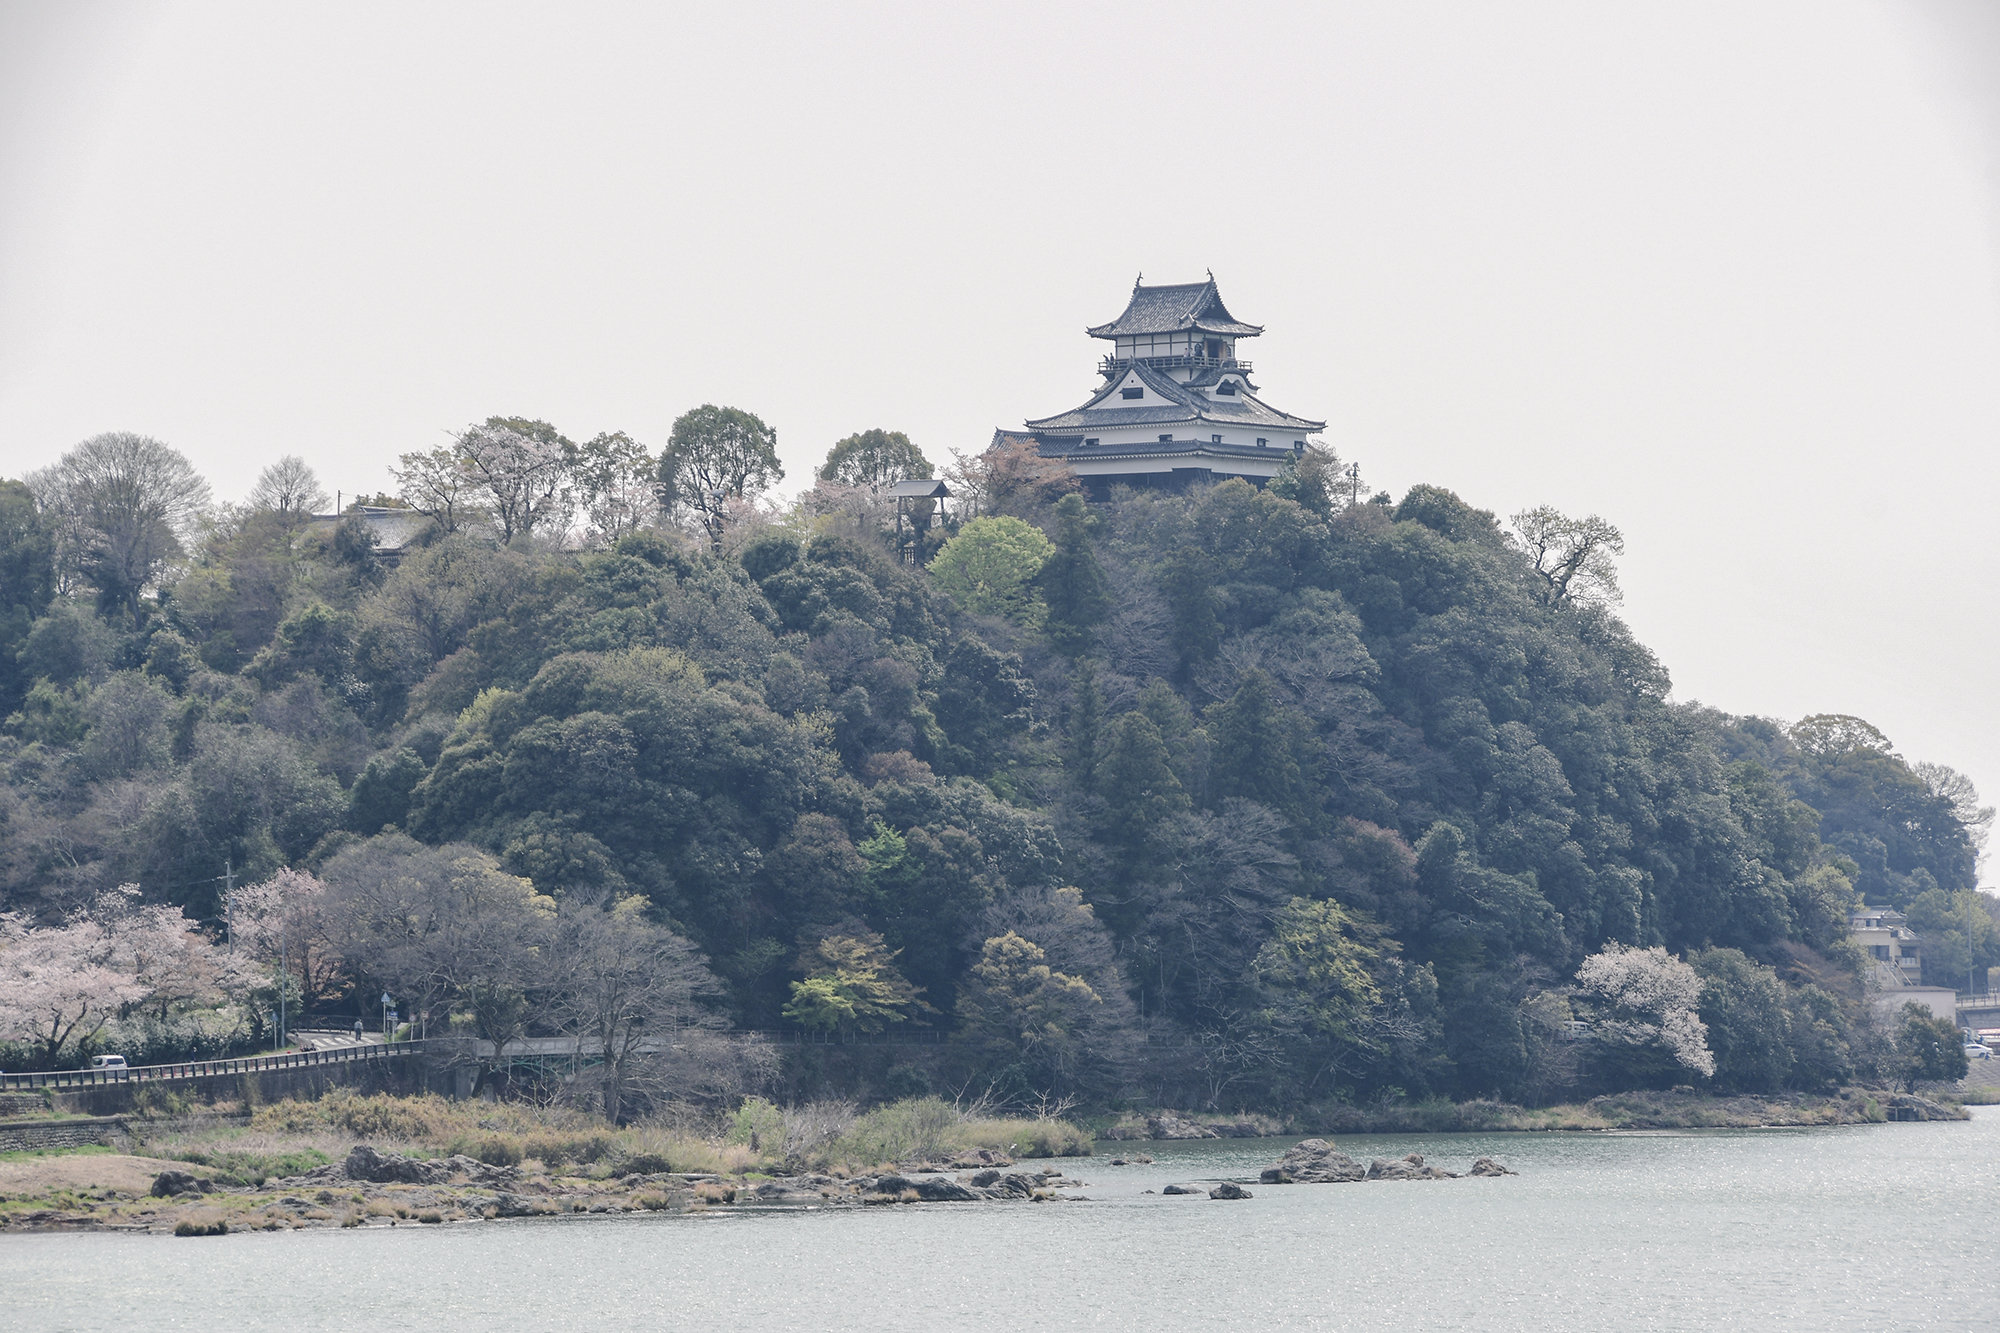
171 963
1646 998
288 920
60 986
524 472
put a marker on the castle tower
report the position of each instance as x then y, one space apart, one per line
1176 406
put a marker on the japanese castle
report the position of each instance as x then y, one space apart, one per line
1176 406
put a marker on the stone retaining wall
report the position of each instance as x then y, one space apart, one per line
42 1135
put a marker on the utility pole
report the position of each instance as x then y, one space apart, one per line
1353 484
229 901
284 940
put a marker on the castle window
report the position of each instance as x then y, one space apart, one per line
1215 439
1088 442
1262 443
1166 439
1226 387
1132 393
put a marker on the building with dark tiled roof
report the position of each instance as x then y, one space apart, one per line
1176 405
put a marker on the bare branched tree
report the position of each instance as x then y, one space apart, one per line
433 482
288 487
1572 558
615 478
1953 787
635 995
123 505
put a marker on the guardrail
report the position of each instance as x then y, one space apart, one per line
186 1069
796 1037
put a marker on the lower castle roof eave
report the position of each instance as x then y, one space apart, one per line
1081 421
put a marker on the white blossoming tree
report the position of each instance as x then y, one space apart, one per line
1646 1000
59 987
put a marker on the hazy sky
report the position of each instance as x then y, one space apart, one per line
1723 273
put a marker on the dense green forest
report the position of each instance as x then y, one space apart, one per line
1232 798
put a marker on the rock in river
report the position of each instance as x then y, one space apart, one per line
1409 1168
1314 1162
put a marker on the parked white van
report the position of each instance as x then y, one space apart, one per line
107 1062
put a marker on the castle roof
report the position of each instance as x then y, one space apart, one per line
1171 404
1173 308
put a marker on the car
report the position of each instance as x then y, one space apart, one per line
107 1062
1976 1050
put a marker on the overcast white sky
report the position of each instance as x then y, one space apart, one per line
1723 273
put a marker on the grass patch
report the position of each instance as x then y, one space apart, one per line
202 1224
1040 1137
1976 1096
234 1166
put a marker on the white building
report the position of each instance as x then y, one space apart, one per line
1176 405
1895 949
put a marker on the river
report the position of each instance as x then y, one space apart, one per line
1876 1227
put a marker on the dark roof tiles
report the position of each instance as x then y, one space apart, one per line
1170 403
1171 309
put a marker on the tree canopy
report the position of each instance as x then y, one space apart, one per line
1229 797
874 458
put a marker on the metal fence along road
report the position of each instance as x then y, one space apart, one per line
186 1069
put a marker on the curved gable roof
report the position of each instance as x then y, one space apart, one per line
1171 404
1174 308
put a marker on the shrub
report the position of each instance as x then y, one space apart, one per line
548 1149
647 1163
913 1131
497 1150
759 1124
202 1224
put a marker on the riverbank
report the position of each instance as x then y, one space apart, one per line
346 1160
81 1190
351 1161
1617 1111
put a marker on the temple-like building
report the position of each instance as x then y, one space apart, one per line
1176 406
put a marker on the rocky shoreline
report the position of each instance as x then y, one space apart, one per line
1677 1109
372 1188
1317 1162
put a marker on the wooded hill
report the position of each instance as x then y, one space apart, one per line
1239 797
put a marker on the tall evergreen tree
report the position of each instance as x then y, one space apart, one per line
1072 581
1253 756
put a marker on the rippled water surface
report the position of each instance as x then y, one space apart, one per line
1874 1227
